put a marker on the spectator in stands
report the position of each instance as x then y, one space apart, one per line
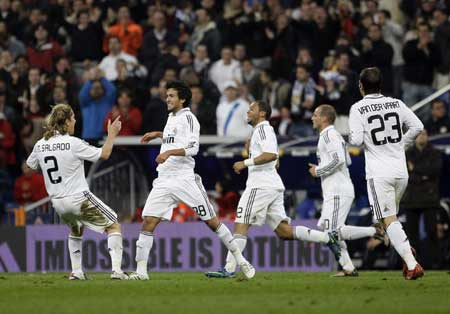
421 57
205 33
158 35
250 77
378 53
43 50
7 140
439 122
155 112
304 57
303 100
204 110
224 70
29 187
38 89
130 116
201 61
284 41
393 34
274 91
422 197
283 126
109 63
97 96
129 33
227 200
9 42
442 41
86 39
231 113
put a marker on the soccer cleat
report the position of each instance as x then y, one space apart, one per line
119 276
333 244
381 234
221 273
414 274
405 267
345 273
79 275
248 270
138 276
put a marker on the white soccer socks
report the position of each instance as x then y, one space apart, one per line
227 239
353 232
75 250
310 235
115 250
345 261
143 246
241 242
401 243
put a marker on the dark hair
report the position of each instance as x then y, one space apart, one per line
183 91
327 111
304 66
264 107
371 80
424 24
386 13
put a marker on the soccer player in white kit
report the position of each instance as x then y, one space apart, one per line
61 158
377 123
263 199
177 181
337 187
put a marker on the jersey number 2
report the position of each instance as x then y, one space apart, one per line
396 126
52 169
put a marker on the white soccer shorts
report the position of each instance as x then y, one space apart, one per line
169 191
85 209
385 195
334 212
259 206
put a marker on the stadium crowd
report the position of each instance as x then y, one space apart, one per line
114 58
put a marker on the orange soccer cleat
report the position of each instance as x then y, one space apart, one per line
414 274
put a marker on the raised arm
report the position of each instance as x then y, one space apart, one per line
113 130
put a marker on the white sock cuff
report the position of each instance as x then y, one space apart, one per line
239 236
393 224
75 238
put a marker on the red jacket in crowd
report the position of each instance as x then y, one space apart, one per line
29 188
7 141
131 122
42 56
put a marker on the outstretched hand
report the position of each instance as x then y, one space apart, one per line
115 127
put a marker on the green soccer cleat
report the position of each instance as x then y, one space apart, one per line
221 273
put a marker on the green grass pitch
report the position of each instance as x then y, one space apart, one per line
278 293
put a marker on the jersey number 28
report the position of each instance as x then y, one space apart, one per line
52 169
388 117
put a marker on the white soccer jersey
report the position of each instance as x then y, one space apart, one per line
333 161
263 140
377 122
182 130
61 159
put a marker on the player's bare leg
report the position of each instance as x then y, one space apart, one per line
115 249
143 246
75 250
230 243
412 270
